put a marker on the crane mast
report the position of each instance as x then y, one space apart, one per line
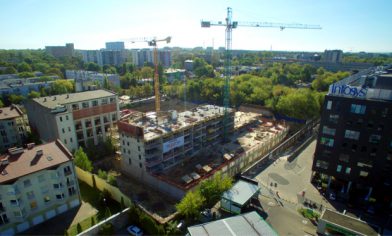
153 43
230 25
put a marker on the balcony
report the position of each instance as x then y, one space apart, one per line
70 183
78 127
68 172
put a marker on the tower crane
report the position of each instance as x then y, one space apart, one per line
153 43
230 25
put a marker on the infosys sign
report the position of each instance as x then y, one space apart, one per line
348 90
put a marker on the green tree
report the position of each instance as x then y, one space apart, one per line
62 86
302 104
191 204
92 66
1 103
212 189
24 67
82 161
34 94
15 99
147 72
102 174
10 70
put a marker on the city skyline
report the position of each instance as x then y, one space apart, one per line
352 26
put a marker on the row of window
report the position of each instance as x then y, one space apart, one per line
94 103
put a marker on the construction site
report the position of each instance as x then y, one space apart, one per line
175 151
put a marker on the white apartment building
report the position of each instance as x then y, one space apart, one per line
76 118
13 127
36 184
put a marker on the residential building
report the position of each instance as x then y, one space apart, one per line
36 184
91 80
111 57
90 55
239 196
116 46
61 51
146 56
175 151
164 57
353 156
77 119
334 56
188 65
24 86
249 224
175 75
13 127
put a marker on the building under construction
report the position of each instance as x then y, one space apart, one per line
175 151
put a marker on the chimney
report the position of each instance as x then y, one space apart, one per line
67 96
54 98
4 161
40 152
44 99
30 145
15 151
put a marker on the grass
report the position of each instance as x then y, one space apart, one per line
93 196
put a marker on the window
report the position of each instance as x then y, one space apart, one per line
358 109
85 105
95 103
140 165
362 164
112 100
75 107
57 186
329 105
61 119
104 101
129 161
333 118
60 196
30 195
17 214
71 191
339 168
351 134
14 202
363 173
374 138
66 117
4 219
128 144
327 141
70 139
65 141
348 170
344 157
322 164
27 183
327 130
63 130
138 148
69 129
140 157
113 117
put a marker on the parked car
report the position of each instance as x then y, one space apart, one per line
134 230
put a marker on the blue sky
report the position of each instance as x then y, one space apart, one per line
350 25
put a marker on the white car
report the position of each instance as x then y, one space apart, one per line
134 230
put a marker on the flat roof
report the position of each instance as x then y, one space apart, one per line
245 224
348 222
182 120
241 192
52 101
10 112
29 161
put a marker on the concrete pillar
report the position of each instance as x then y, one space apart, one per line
369 193
348 186
329 181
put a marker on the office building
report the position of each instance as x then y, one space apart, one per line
353 157
77 119
36 184
115 46
13 127
334 56
61 51
91 80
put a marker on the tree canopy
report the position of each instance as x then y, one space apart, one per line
82 161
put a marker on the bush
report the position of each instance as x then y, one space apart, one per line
78 228
102 174
106 229
112 179
309 214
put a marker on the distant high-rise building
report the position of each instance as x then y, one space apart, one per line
146 56
334 56
116 46
90 55
188 65
61 51
353 156
111 57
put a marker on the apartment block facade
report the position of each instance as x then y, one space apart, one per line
91 80
354 148
61 51
13 127
77 119
36 184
